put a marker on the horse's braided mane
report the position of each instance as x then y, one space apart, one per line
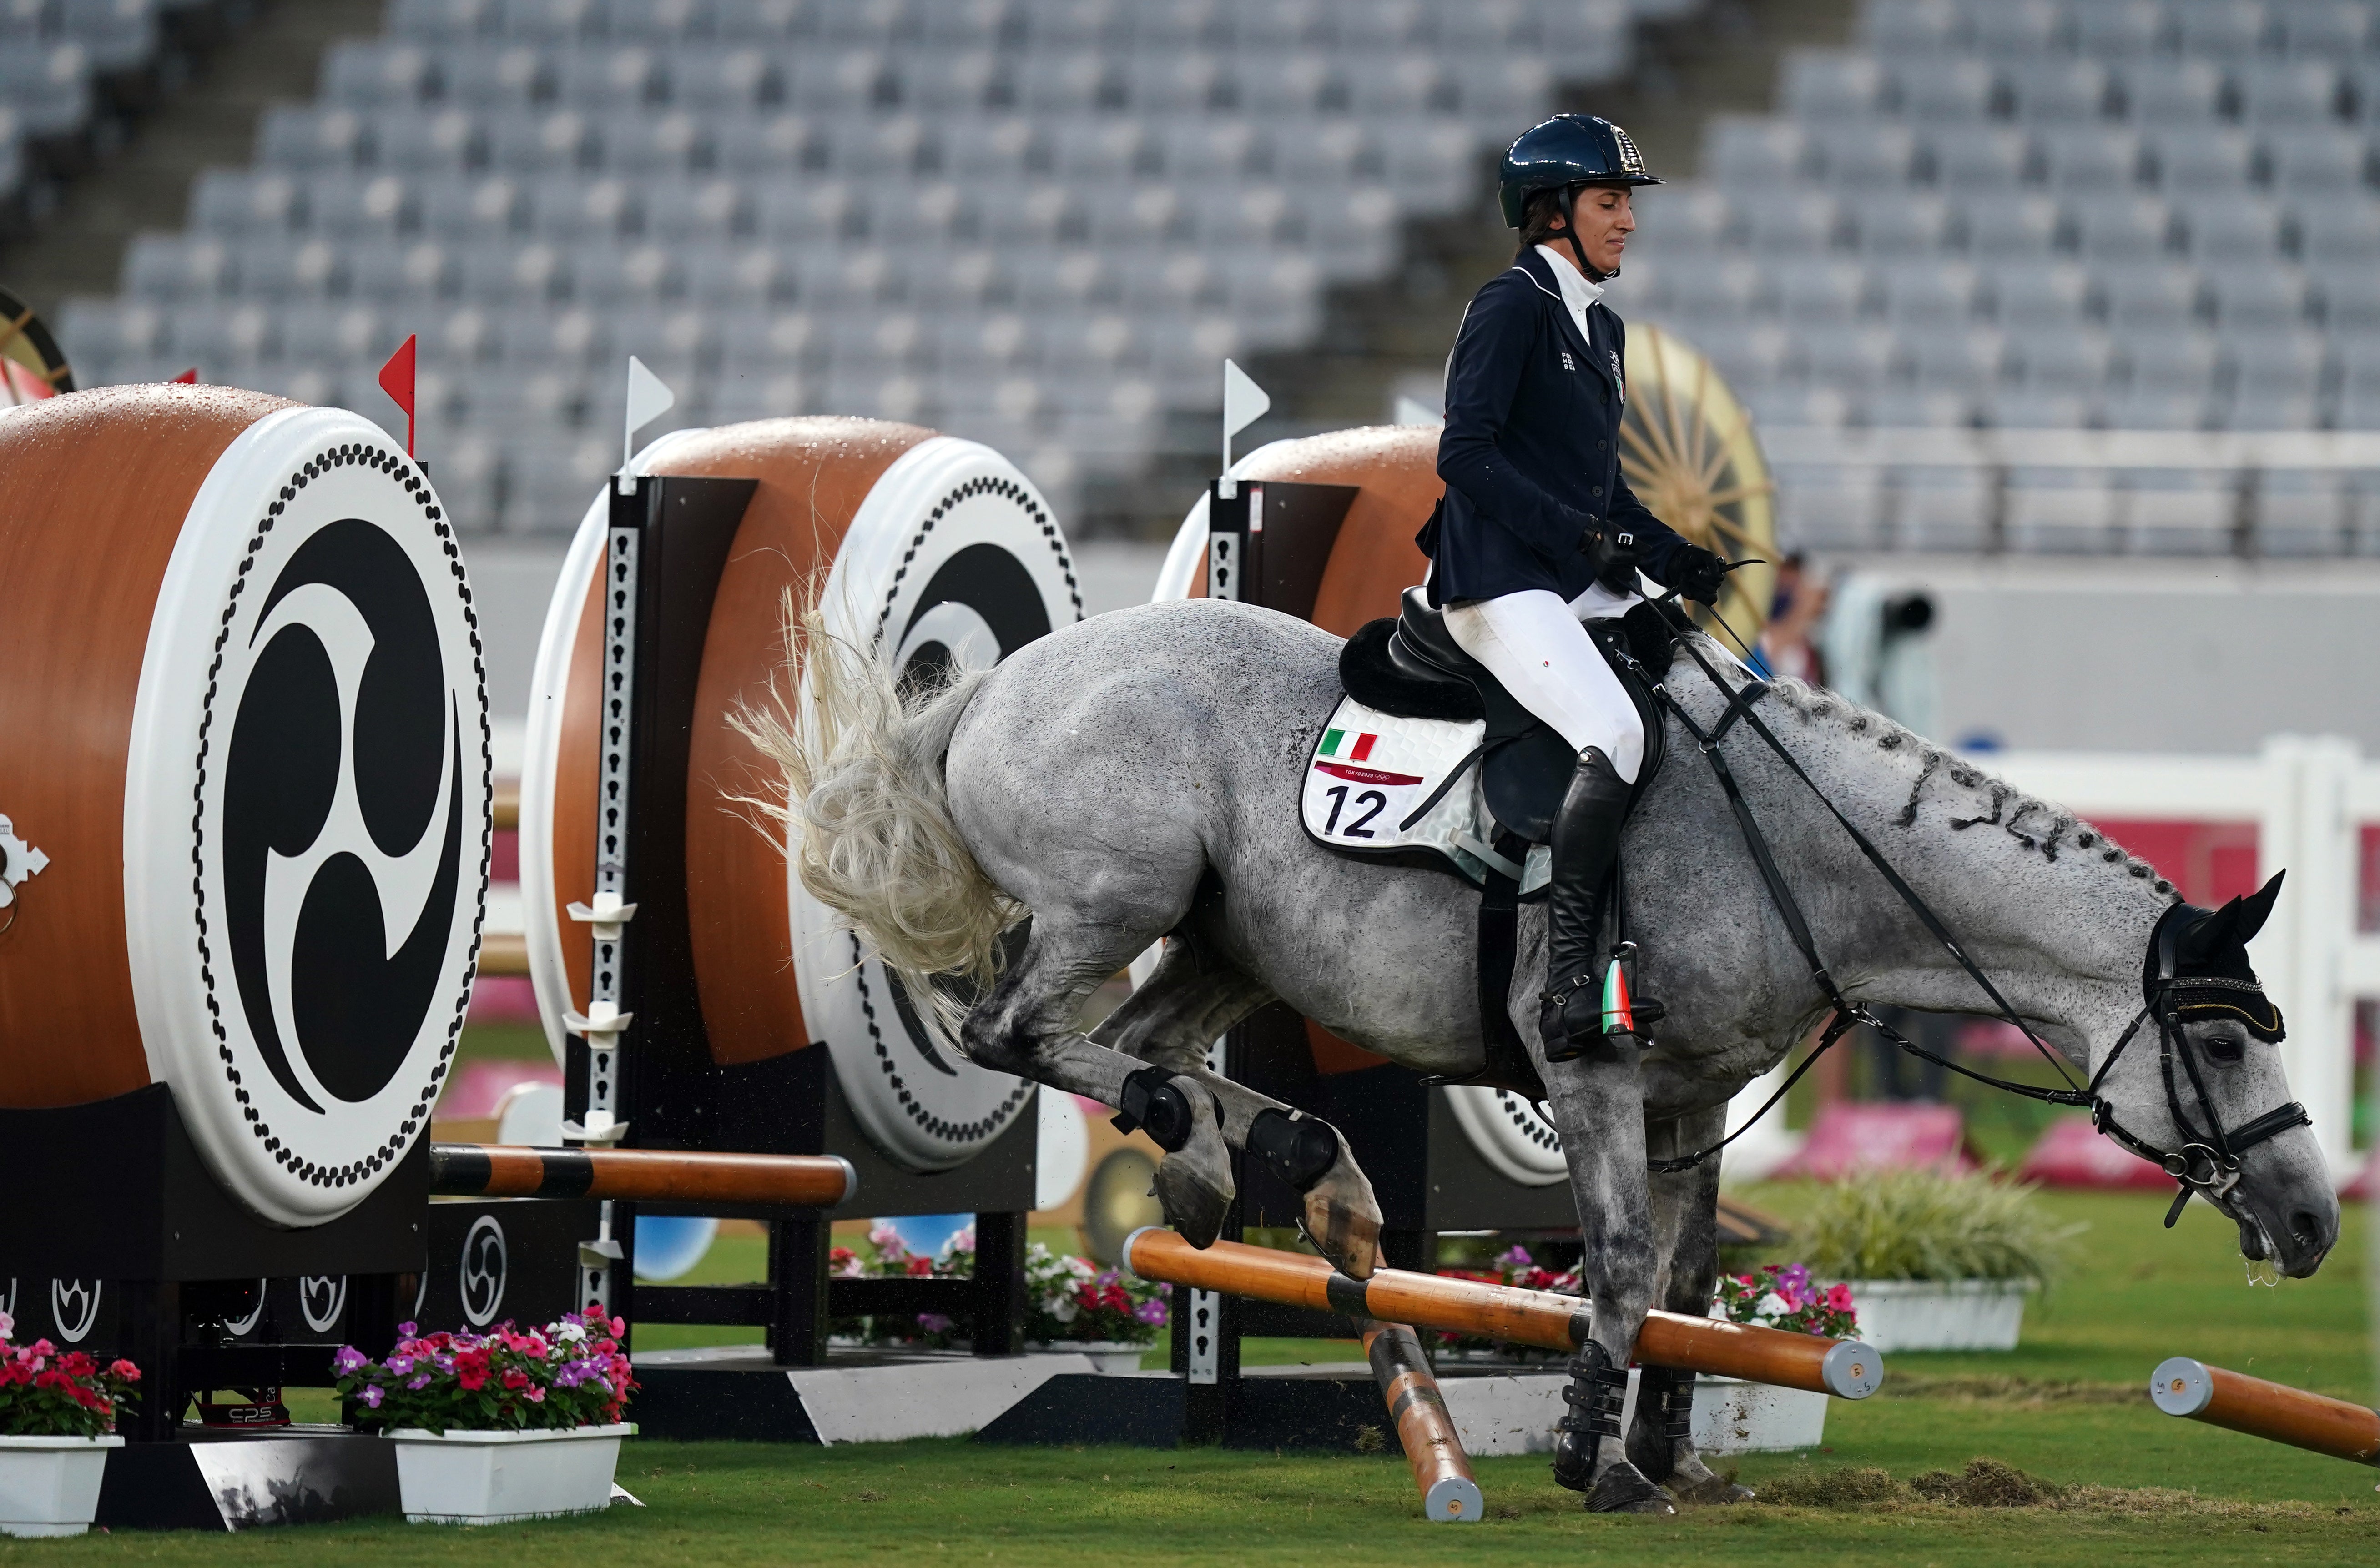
2035 823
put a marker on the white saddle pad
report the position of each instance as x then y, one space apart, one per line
1370 774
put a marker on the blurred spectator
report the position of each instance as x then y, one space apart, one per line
1793 615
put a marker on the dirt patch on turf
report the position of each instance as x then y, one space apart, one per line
2033 1392
1989 1483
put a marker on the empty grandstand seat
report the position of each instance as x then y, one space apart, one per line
277 268
488 78
2302 514
368 73
472 210
2179 362
1821 85
1863 156
1939 508
237 203
1910 26
1945 90
2092 161
1897 224
1968 360
2074 361
711 211
1929 293
662 145
401 274
2141 299
609 275
1853 359
2285 362
2336 234
1971 158
2009 226
2133 230
1826 507
2167 92
565 208
2059 91
2326 29
2017 28
2290 93
407 141
302 137
508 274
1752 152
2220 30
2258 297
528 141
2328 161
778 146
1811 289
2203 158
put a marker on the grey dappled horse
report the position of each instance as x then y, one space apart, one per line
1135 778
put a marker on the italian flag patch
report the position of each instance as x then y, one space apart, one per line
1348 745
1618 1014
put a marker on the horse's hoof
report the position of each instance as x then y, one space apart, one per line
1194 1205
1343 1218
1194 1182
1622 1489
1711 1491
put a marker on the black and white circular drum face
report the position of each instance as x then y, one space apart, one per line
307 823
1509 1133
952 558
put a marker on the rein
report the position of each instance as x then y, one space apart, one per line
2207 1162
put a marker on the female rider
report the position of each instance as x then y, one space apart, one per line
1538 534
1539 531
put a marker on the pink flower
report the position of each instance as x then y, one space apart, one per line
537 1397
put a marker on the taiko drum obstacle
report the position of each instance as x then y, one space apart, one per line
1840 1367
2181 1386
247 783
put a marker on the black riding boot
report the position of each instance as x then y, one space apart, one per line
1596 1391
1585 841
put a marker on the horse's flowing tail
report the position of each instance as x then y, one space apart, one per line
866 818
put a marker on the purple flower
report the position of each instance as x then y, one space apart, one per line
1153 1313
400 1365
933 1323
1518 1257
372 1396
408 1331
348 1359
419 1384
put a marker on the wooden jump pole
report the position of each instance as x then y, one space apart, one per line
2183 1387
1841 1367
1441 1471
645 1175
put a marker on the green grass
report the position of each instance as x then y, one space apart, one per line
2066 1407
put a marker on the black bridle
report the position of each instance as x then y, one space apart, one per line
2208 1159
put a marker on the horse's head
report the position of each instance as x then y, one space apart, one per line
2198 1087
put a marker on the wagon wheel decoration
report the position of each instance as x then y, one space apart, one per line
1688 450
30 365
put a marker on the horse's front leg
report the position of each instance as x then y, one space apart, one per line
1598 1107
1686 1230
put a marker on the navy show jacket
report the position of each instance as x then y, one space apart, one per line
1531 452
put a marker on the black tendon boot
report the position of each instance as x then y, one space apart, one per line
1664 1425
1596 1391
1585 841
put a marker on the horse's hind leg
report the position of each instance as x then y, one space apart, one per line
1173 1018
1686 1233
1026 1027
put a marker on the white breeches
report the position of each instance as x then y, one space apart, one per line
1536 646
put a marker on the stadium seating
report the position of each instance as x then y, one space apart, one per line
1039 221
2144 213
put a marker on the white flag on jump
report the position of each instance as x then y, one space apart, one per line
649 399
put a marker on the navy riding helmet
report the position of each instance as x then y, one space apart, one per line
1563 154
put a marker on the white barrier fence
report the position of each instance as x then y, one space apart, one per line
2308 798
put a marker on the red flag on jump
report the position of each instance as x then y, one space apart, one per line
188 378
397 380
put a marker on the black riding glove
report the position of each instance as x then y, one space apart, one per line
1697 574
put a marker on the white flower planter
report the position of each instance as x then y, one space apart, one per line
1106 1357
1940 1314
464 1477
1733 1416
49 1485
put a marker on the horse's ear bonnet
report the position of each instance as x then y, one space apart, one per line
2203 955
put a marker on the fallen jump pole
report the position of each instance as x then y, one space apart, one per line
641 1175
2183 1387
1441 1471
1841 1367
